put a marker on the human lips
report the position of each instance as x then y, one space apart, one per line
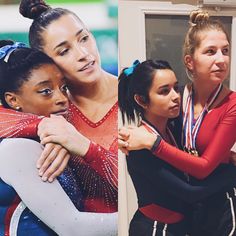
175 107
87 66
61 112
219 71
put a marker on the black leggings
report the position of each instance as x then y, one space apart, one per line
141 225
216 216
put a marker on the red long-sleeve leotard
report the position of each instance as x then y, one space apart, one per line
216 137
97 170
99 167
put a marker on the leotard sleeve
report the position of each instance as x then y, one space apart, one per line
216 152
14 124
104 162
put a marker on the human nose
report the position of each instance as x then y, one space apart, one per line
175 95
220 58
81 52
60 98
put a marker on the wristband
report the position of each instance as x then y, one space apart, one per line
156 143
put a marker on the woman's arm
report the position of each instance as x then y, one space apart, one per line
217 150
57 130
15 124
163 175
48 201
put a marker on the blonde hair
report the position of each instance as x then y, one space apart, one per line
200 22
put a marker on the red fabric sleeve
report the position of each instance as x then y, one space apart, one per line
18 124
104 162
217 150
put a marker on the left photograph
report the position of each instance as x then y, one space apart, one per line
58 94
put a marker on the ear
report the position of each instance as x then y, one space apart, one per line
188 61
13 100
141 101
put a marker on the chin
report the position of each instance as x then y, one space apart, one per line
174 115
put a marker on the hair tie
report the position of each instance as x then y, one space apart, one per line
128 71
8 49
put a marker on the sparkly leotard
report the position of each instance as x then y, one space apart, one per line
97 170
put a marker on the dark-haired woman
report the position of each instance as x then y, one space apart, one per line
209 121
93 104
24 199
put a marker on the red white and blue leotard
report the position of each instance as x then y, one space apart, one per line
97 171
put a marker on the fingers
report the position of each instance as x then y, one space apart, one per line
125 151
233 157
122 143
48 139
46 152
123 134
57 168
52 161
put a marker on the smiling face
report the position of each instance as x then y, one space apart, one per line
44 92
164 97
73 48
210 61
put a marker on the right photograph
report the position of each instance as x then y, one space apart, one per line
177 118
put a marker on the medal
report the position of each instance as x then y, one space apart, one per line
191 128
191 151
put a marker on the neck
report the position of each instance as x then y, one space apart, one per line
97 91
160 123
202 92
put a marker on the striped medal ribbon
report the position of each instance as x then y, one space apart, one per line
190 129
154 131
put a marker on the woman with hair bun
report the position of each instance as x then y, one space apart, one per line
93 108
93 104
209 123
24 73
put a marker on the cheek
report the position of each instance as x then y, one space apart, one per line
45 108
64 64
158 106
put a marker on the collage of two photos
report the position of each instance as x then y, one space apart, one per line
117 118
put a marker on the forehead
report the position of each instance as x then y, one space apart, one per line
163 77
45 72
213 38
62 29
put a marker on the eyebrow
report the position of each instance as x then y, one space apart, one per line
45 82
213 46
167 85
64 42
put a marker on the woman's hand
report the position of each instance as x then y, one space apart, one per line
57 130
123 136
136 138
233 157
52 161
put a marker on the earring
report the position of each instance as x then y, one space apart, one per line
18 108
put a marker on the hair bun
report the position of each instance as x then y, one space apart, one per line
32 8
198 17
